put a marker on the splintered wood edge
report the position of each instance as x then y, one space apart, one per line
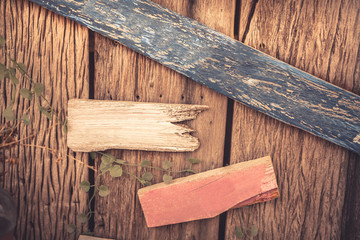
267 190
82 135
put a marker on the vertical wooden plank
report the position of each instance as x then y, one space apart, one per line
351 218
322 38
125 75
55 50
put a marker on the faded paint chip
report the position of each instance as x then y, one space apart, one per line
251 81
357 138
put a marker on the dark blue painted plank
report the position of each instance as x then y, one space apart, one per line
223 64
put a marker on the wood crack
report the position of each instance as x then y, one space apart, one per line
251 15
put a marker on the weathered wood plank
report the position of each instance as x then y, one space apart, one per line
55 50
210 193
123 74
350 215
320 37
223 64
95 125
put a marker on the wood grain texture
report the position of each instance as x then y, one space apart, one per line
55 50
122 74
208 194
98 125
322 38
223 64
326 44
85 237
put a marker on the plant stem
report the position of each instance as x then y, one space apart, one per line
52 151
152 167
136 177
95 188
18 67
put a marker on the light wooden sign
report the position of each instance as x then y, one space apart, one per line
98 125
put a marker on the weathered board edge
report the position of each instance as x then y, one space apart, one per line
260 185
131 125
317 106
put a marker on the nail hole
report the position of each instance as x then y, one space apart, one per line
202 97
160 95
182 97
137 96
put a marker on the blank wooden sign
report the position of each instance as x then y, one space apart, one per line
208 194
97 125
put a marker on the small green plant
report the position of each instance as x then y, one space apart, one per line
34 91
117 168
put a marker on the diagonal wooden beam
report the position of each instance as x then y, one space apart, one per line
223 64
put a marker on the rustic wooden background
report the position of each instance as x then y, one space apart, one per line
318 181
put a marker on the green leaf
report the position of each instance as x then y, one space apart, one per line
39 89
71 228
9 114
3 71
46 112
147 176
85 186
108 159
2 67
26 93
64 128
2 41
239 233
12 75
103 191
6 74
14 80
2 75
26 119
194 160
105 167
93 155
82 218
166 164
254 230
119 161
21 67
12 71
145 163
167 178
116 171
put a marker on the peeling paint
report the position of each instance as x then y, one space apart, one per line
357 139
